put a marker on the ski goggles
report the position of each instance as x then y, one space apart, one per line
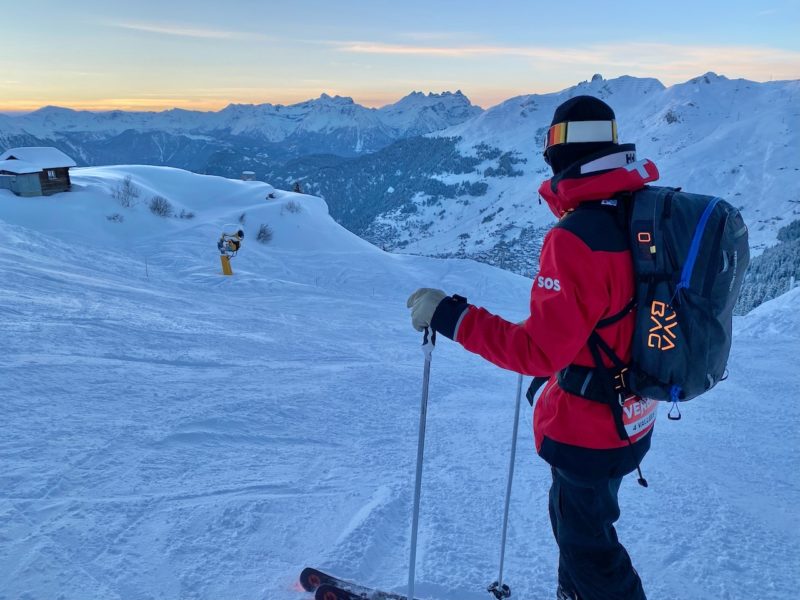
571 132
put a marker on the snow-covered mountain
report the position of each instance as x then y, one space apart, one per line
733 138
471 190
415 114
433 174
171 433
189 139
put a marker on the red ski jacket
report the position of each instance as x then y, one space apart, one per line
585 275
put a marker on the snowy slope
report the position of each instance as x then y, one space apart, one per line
171 433
775 319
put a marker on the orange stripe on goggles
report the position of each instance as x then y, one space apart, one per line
581 132
557 134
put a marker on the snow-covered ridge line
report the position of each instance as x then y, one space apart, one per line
274 122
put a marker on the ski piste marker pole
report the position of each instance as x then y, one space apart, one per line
428 343
498 588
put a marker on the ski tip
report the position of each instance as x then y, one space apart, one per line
310 579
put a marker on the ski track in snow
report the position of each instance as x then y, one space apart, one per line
172 434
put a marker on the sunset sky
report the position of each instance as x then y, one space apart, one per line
157 54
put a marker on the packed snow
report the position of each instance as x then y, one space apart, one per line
172 433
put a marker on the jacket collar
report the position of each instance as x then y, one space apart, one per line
597 178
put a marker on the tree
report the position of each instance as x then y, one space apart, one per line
161 206
126 192
264 234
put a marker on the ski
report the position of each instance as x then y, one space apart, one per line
331 592
312 579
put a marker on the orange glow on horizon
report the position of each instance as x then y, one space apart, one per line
370 99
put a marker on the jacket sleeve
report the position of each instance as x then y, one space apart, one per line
569 296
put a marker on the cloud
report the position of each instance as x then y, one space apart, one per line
671 61
177 30
675 62
434 36
451 51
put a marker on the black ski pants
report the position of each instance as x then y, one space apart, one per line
592 564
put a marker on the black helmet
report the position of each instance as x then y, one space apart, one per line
240 233
583 119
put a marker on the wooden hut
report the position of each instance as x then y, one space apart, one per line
35 171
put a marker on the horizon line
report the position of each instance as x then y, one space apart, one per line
141 105
215 106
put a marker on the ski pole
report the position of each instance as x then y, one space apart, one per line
427 349
498 588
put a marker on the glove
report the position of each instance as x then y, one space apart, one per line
423 304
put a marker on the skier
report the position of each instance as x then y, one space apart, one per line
229 243
583 290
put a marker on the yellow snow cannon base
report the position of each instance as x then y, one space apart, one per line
226 265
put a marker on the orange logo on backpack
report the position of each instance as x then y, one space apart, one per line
662 335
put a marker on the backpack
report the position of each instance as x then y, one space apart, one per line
690 253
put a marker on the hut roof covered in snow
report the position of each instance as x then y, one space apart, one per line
43 157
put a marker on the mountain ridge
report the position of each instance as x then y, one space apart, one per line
53 119
432 174
728 137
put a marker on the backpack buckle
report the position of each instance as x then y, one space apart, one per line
621 381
